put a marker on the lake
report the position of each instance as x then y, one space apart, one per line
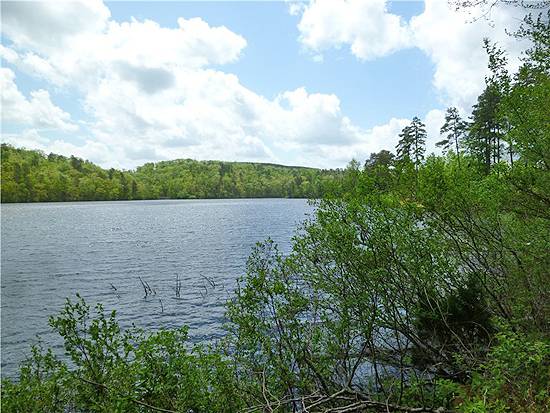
51 251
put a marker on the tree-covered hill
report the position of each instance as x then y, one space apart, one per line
33 176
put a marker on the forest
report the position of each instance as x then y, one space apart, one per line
420 285
33 176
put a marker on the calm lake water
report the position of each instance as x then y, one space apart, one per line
51 251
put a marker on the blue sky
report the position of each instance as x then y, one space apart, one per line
274 60
314 83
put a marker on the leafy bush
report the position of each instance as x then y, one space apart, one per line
115 371
515 376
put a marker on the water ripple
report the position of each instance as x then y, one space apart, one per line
54 250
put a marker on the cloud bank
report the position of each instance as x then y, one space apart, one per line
149 92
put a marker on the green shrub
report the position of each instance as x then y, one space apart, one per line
111 370
515 377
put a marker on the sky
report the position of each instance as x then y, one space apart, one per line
314 83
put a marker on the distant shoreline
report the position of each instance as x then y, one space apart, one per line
152 199
33 176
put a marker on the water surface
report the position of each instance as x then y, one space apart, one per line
54 250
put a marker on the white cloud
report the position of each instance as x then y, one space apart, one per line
433 120
206 114
380 137
454 42
33 64
299 117
33 139
366 26
28 138
372 140
452 39
67 55
147 88
48 26
38 111
138 52
9 55
210 114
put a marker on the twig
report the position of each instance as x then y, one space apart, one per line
177 289
358 402
210 280
144 287
158 409
147 288
115 290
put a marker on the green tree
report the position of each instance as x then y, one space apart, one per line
454 129
29 176
411 146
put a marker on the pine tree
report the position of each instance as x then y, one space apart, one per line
453 131
488 125
411 146
485 130
403 147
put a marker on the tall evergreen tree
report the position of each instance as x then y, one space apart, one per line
453 131
489 125
412 144
485 130
403 148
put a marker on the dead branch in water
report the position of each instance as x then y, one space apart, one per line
115 290
147 288
177 289
210 280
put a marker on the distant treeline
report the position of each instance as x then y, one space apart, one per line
33 176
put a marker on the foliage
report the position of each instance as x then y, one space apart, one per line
485 135
411 146
41 386
32 176
386 298
453 130
515 376
115 371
